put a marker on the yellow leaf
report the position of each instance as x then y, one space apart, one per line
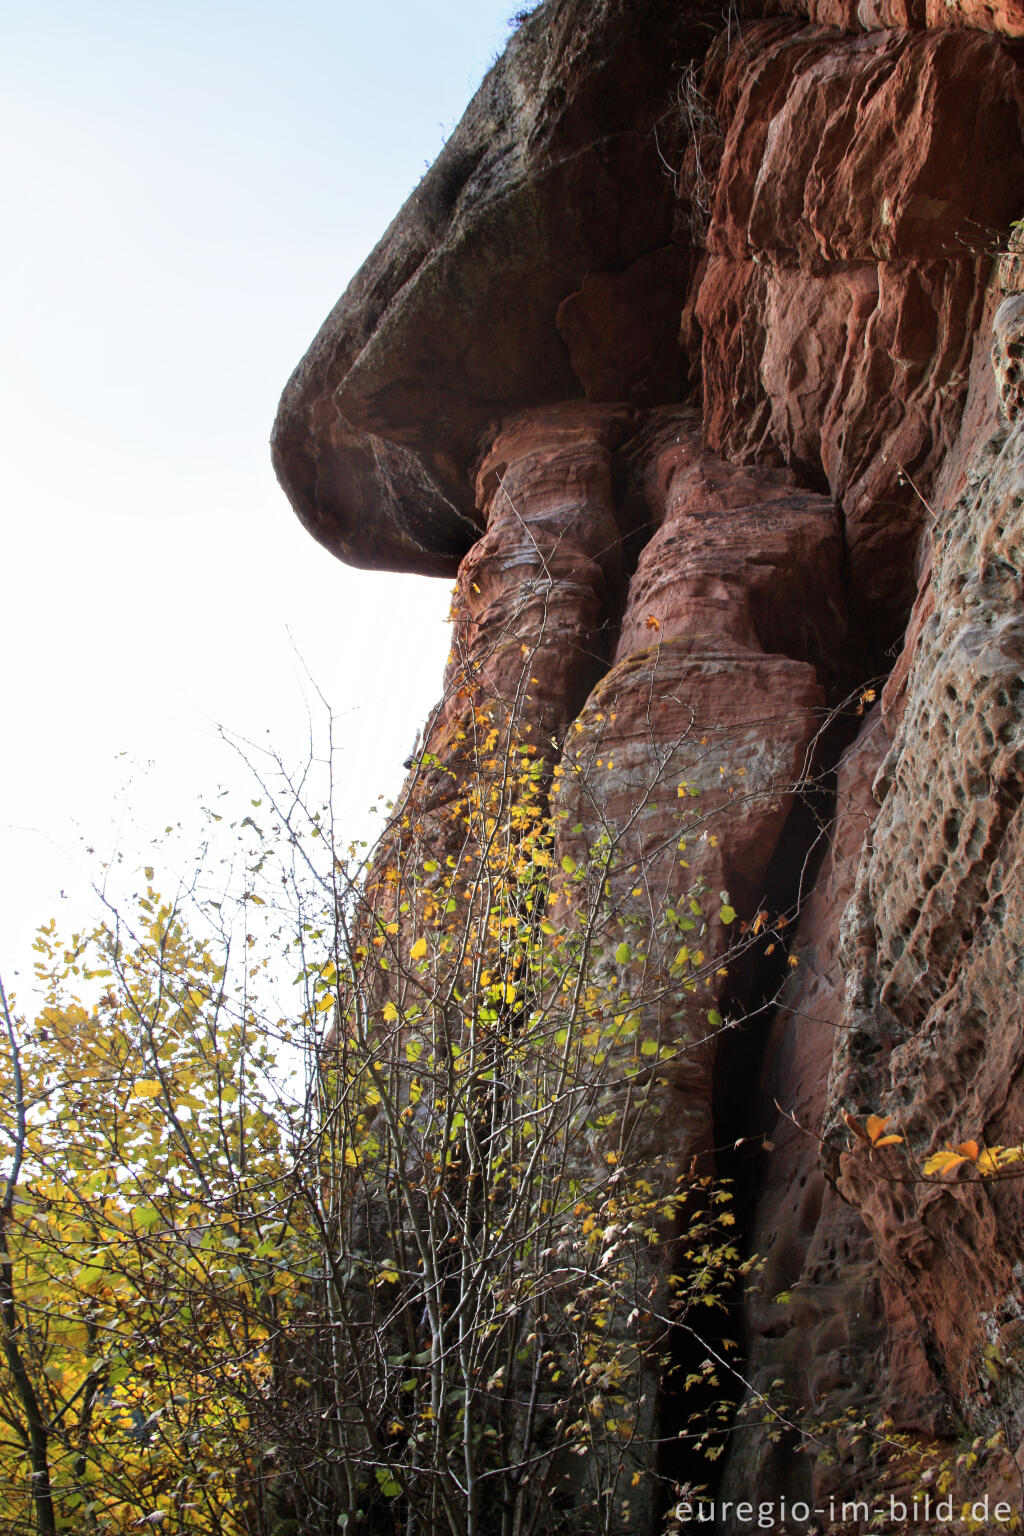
418 950
146 1088
944 1161
390 1013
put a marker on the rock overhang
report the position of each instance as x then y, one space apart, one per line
547 256
556 172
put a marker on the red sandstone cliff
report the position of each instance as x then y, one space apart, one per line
696 358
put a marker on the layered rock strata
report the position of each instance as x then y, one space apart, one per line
695 356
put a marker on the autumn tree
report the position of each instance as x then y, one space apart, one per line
152 1243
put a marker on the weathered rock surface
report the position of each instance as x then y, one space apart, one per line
838 327
933 935
692 356
712 686
452 321
1003 16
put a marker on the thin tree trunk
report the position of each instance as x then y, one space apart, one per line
38 1435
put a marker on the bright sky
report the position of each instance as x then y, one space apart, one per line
188 186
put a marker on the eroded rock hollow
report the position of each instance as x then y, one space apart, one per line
697 359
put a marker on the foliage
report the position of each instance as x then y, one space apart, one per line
986 1162
502 1225
436 1293
150 1245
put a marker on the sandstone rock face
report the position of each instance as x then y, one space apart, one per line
710 687
838 327
932 937
1003 16
699 354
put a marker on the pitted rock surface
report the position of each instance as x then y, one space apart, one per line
1008 357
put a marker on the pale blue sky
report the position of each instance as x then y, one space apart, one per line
187 189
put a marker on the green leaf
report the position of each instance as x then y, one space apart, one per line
388 1487
727 913
568 864
623 955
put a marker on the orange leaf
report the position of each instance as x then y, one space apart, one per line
857 1129
968 1150
876 1124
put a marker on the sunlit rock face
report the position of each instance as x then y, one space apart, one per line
698 359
